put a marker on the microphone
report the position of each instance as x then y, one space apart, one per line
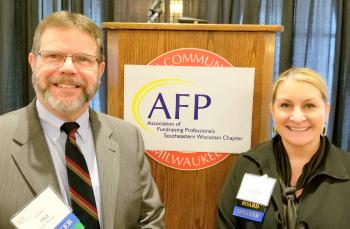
156 14
154 8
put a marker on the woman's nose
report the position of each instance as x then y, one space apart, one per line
297 115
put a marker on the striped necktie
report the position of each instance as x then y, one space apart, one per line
80 188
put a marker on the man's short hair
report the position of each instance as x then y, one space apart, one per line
64 19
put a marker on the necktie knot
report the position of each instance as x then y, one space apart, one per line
70 128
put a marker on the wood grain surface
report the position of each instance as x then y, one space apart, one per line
191 197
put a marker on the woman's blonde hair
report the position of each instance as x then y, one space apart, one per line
64 19
303 75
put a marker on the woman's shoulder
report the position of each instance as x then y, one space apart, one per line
256 157
338 162
260 148
260 151
344 155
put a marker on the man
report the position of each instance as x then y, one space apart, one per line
67 63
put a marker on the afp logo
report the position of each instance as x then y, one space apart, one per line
169 99
160 104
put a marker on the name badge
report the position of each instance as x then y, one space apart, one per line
253 196
46 211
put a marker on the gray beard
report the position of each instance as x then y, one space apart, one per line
59 105
66 108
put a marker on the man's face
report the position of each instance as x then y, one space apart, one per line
67 88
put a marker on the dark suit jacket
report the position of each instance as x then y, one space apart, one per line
324 203
129 195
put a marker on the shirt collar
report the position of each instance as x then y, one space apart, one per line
52 124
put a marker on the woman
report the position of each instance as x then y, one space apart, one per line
310 176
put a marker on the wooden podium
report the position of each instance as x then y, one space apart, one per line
190 197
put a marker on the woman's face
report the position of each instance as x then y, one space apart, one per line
299 113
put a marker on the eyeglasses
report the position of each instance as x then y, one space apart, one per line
57 59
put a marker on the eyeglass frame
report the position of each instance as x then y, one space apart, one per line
40 53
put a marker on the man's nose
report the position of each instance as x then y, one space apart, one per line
68 66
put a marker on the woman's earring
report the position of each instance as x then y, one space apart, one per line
324 131
274 131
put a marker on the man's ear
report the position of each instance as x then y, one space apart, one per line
101 69
32 60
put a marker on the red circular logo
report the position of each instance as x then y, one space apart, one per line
189 160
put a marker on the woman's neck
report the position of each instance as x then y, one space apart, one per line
303 152
298 157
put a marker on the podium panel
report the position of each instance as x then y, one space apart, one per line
190 197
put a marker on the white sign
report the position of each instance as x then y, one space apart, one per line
190 109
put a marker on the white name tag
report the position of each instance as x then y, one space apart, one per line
256 189
46 211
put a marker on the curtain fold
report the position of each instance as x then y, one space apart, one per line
286 43
194 8
233 11
126 11
14 67
341 92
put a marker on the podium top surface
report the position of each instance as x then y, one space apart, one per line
197 27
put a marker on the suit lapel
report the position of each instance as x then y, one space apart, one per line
108 159
33 158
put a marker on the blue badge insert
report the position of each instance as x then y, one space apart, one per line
70 222
249 210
